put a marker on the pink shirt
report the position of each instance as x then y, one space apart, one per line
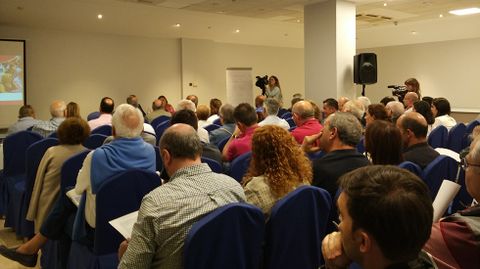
104 119
309 127
242 144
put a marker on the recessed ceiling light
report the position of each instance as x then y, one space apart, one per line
385 4
237 31
298 20
177 25
465 11
100 16
440 16
221 12
414 32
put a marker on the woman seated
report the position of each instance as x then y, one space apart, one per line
441 112
383 143
278 166
375 112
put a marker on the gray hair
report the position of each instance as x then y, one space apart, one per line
365 102
127 121
226 112
272 106
355 108
348 127
475 150
396 107
181 141
186 104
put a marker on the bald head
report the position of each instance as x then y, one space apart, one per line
341 101
304 109
410 98
182 142
57 108
127 121
414 122
157 104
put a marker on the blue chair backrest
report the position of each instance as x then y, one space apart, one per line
412 167
70 168
35 154
239 166
103 129
229 237
361 145
118 196
93 115
214 165
468 130
211 127
456 136
438 170
222 143
463 198
217 122
94 141
158 159
14 151
291 122
296 228
438 137
160 119
53 135
286 115
160 129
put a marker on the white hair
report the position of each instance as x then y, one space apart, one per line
186 104
127 121
396 107
354 107
365 102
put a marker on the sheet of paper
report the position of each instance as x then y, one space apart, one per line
450 153
124 224
74 197
448 190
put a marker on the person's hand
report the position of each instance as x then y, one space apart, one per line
309 142
332 250
122 248
237 132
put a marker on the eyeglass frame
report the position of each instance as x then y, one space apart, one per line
465 164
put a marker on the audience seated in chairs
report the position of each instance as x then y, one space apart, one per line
441 112
106 109
57 110
158 107
126 151
72 110
215 105
203 112
455 240
241 140
192 192
375 112
413 128
271 108
394 110
338 139
386 215
277 167
425 109
304 118
190 105
383 143
71 134
330 106
26 120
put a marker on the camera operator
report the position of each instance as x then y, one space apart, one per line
273 90
412 85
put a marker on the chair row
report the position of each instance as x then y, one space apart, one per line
456 139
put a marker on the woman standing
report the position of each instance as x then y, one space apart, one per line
273 90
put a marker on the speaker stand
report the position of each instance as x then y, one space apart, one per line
363 89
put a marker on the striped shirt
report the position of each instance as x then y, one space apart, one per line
168 212
45 128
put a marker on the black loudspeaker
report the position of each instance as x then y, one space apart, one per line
365 68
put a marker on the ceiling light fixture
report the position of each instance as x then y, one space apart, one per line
298 20
414 32
440 16
465 11
385 4
100 16
177 25
237 31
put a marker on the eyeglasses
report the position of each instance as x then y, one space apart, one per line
464 164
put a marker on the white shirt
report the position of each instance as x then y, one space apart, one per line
274 120
104 119
444 120
203 134
213 118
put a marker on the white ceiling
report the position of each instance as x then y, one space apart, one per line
261 22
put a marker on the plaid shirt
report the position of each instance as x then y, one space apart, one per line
168 212
45 128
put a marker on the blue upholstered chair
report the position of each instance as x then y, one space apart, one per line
291 122
214 165
286 115
93 115
306 212
70 170
217 122
438 137
24 189
239 166
103 129
361 145
211 127
14 157
158 159
222 143
161 119
117 196
161 128
468 130
438 170
229 237
412 167
456 136
94 141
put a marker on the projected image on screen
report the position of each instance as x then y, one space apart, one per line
11 74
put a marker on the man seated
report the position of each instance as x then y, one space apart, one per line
272 106
410 98
133 100
338 139
158 107
190 105
455 240
168 212
193 98
413 128
386 216
126 151
26 119
304 117
228 125
241 140
106 110
57 110
330 106
394 110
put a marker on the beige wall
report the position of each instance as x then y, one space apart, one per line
449 69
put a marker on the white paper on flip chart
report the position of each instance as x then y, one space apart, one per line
124 224
448 190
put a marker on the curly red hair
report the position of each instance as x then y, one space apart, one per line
277 156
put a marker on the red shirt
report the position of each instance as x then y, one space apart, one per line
242 144
309 127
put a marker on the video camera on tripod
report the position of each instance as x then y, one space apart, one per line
398 91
